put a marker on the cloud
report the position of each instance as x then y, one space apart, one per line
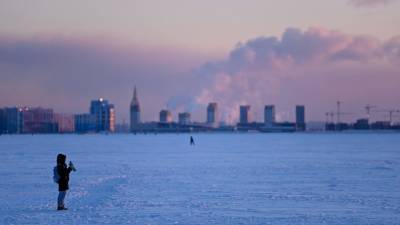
370 3
66 74
315 67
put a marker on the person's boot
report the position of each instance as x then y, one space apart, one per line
61 207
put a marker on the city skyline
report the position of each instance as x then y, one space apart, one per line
268 115
182 58
101 119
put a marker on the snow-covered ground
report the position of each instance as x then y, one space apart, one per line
224 179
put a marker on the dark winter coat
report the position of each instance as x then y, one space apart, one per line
63 172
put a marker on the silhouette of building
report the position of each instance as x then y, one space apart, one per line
279 127
104 114
342 126
3 121
11 120
381 125
85 123
300 118
184 118
135 112
244 114
122 127
165 116
212 113
361 124
269 115
38 120
27 120
66 123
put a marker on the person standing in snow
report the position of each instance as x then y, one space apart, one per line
191 140
63 173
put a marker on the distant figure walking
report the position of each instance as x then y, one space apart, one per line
191 140
61 176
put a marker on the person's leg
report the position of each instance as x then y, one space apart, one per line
61 197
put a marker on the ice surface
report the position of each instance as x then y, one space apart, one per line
224 179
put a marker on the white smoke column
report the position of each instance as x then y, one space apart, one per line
312 67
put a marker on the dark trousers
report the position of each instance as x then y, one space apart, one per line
61 197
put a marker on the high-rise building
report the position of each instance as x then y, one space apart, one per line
212 113
84 123
184 118
135 112
12 120
269 115
165 116
122 127
300 118
104 114
2 121
66 123
38 120
244 114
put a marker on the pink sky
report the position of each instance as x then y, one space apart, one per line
181 59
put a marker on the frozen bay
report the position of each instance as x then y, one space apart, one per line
228 178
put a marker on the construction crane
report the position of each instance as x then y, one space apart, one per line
329 116
394 116
391 112
368 108
339 113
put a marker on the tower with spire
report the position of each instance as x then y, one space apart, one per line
135 111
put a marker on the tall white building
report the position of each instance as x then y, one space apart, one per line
135 111
244 114
165 116
184 118
300 117
104 114
212 113
269 115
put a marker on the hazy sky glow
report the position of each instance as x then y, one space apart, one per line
206 25
183 54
